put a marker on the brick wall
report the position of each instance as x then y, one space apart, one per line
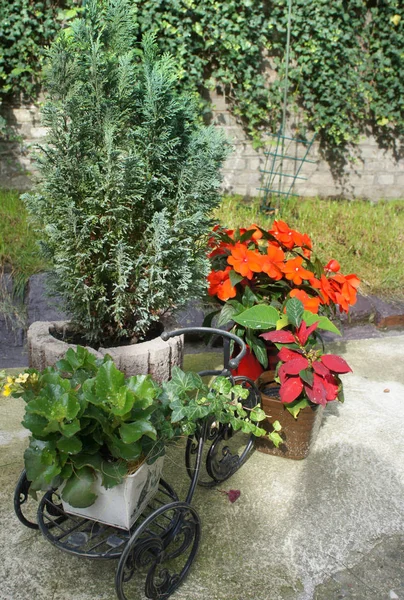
374 174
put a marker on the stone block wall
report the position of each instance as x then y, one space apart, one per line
374 173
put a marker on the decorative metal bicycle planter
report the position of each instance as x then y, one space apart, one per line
159 549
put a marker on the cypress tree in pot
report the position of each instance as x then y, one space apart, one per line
128 178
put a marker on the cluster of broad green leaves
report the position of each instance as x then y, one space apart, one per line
129 177
86 420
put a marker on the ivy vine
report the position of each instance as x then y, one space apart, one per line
26 28
346 74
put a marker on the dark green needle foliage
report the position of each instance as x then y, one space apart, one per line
129 176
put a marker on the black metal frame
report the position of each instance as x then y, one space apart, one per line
168 531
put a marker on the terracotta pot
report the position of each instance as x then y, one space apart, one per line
298 434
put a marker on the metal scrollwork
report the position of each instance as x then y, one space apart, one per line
24 505
226 449
167 556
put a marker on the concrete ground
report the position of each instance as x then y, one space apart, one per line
329 527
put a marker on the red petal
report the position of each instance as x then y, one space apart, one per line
281 337
233 495
335 363
293 367
316 393
291 389
320 369
304 332
331 387
286 354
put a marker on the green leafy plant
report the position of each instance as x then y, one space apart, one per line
86 420
129 177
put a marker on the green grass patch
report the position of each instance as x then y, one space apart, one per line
18 242
366 238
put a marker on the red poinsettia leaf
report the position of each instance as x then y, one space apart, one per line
335 363
320 369
304 332
286 354
233 495
280 337
293 367
316 393
291 389
331 387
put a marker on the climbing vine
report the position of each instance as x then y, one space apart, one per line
346 70
26 27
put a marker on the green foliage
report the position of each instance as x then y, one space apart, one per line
346 57
347 67
26 27
129 178
87 419
346 60
218 46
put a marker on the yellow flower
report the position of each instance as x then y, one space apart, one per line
7 390
395 20
22 378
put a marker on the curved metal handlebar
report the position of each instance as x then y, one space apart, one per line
233 362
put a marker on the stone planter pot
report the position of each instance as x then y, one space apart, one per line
121 505
299 434
155 357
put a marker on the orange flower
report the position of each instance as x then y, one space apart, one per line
272 263
244 261
290 237
283 234
311 304
345 288
323 285
220 284
257 235
332 265
295 272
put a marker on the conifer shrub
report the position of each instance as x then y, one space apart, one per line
128 178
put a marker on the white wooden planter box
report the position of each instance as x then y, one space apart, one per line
121 505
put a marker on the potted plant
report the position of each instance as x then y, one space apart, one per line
100 437
128 178
304 380
255 268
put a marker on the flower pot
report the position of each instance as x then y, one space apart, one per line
298 434
155 357
121 505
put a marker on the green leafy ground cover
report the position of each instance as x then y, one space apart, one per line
367 239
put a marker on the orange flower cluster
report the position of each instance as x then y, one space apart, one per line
276 264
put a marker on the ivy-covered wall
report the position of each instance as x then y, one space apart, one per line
346 75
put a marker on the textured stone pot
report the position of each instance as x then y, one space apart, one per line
298 434
155 357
